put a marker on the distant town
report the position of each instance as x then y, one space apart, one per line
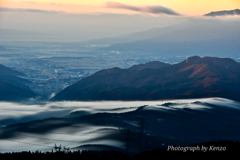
51 67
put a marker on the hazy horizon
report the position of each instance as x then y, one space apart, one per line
81 21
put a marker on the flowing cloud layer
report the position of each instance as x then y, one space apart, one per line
19 113
2 9
73 133
147 8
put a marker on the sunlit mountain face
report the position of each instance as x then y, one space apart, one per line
194 77
102 125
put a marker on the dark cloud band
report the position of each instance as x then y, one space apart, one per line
147 8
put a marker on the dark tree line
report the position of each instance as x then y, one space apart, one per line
85 154
231 147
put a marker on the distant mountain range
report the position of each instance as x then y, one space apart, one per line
12 87
193 37
224 13
134 36
196 78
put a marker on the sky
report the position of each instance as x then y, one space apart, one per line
79 20
184 7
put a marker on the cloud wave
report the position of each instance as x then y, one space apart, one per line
147 8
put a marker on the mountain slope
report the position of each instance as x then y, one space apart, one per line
8 71
200 77
12 87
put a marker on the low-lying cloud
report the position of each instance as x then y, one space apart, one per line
2 9
224 13
157 9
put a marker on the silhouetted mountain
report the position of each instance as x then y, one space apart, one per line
12 87
224 13
197 78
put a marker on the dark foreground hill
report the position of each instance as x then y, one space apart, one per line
195 78
12 87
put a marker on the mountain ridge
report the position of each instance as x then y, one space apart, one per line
150 65
195 78
194 37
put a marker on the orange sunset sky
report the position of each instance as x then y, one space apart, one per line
183 7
